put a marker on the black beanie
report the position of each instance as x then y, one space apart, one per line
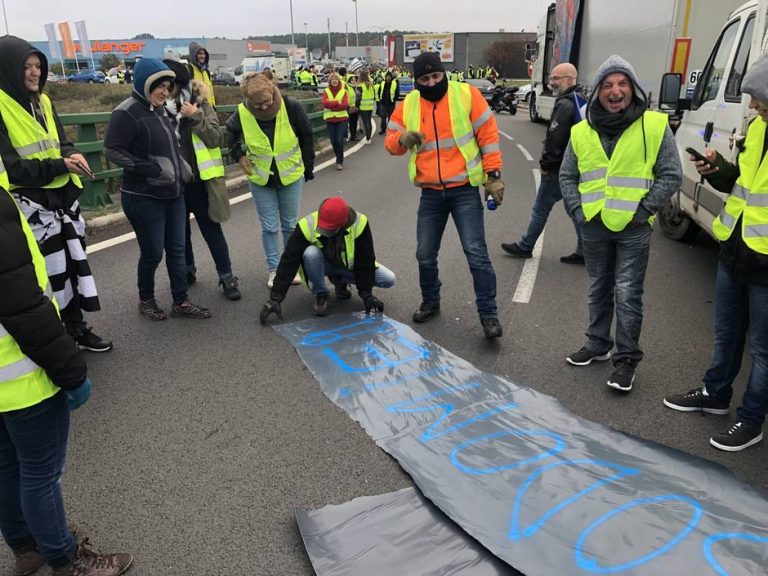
181 71
426 63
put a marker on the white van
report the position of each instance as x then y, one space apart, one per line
715 117
280 66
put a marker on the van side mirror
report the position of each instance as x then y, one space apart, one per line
669 93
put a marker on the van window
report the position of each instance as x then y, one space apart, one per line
733 87
714 71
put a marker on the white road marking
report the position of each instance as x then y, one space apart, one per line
527 279
525 153
507 136
236 200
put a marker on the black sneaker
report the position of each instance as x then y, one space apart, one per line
491 327
189 310
230 286
342 292
515 250
585 357
697 401
740 436
320 307
425 312
87 340
151 309
572 259
623 377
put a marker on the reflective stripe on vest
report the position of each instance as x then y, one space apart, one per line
4 183
367 97
31 140
308 226
460 108
749 196
327 114
285 151
22 382
205 78
209 161
614 188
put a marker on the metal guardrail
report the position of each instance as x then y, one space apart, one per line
96 191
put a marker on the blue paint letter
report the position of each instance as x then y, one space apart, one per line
709 542
557 448
382 361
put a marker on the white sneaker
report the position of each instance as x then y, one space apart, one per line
368 141
296 280
271 281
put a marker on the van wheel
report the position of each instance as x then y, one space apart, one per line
675 225
532 112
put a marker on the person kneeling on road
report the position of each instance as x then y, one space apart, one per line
336 241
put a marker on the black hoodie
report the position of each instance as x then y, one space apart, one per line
31 175
194 48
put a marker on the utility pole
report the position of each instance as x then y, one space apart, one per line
5 16
329 40
291 5
346 32
357 27
306 44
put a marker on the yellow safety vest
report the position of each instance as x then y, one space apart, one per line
305 78
379 90
338 98
367 97
308 226
286 150
22 382
31 140
204 77
460 108
352 97
209 161
4 182
614 188
749 196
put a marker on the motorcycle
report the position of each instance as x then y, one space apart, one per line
504 99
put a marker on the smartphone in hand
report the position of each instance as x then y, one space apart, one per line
85 169
699 156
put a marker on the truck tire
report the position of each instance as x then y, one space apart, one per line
532 112
675 225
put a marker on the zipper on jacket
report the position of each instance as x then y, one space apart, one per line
437 142
174 156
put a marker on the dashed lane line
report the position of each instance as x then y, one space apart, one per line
525 153
527 279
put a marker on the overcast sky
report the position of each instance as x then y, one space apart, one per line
108 19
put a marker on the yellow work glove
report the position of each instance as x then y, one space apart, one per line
494 188
411 139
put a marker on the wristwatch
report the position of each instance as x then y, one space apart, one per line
494 175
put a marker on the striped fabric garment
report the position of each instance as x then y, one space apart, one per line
61 237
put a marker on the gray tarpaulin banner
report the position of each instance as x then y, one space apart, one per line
546 491
393 534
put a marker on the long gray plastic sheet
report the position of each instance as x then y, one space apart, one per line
399 533
544 490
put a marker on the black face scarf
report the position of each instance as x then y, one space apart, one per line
433 93
334 245
614 123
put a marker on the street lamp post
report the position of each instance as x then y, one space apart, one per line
306 44
357 26
5 17
291 5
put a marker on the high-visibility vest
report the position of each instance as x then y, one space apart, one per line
454 76
305 78
460 108
338 98
31 140
209 161
470 72
749 196
286 150
205 77
379 90
367 97
352 95
22 382
4 182
308 226
313 79
614 188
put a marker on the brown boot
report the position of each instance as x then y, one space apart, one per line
28 559
88 563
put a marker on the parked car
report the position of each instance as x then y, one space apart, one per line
485 86
524 92
88 76
224 79
54 78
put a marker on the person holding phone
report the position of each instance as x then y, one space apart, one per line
44 170
741 285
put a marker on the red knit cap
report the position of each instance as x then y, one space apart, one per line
333 214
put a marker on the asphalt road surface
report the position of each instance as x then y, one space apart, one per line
201 437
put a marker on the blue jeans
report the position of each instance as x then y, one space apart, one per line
196 200
546 197
740 309
159 225
316 268
33 448
337 131
276 207
616 264
464 206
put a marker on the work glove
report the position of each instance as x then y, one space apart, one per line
76 397
309 176
372 304
271 307
640 218
246 165
494 188
411 139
